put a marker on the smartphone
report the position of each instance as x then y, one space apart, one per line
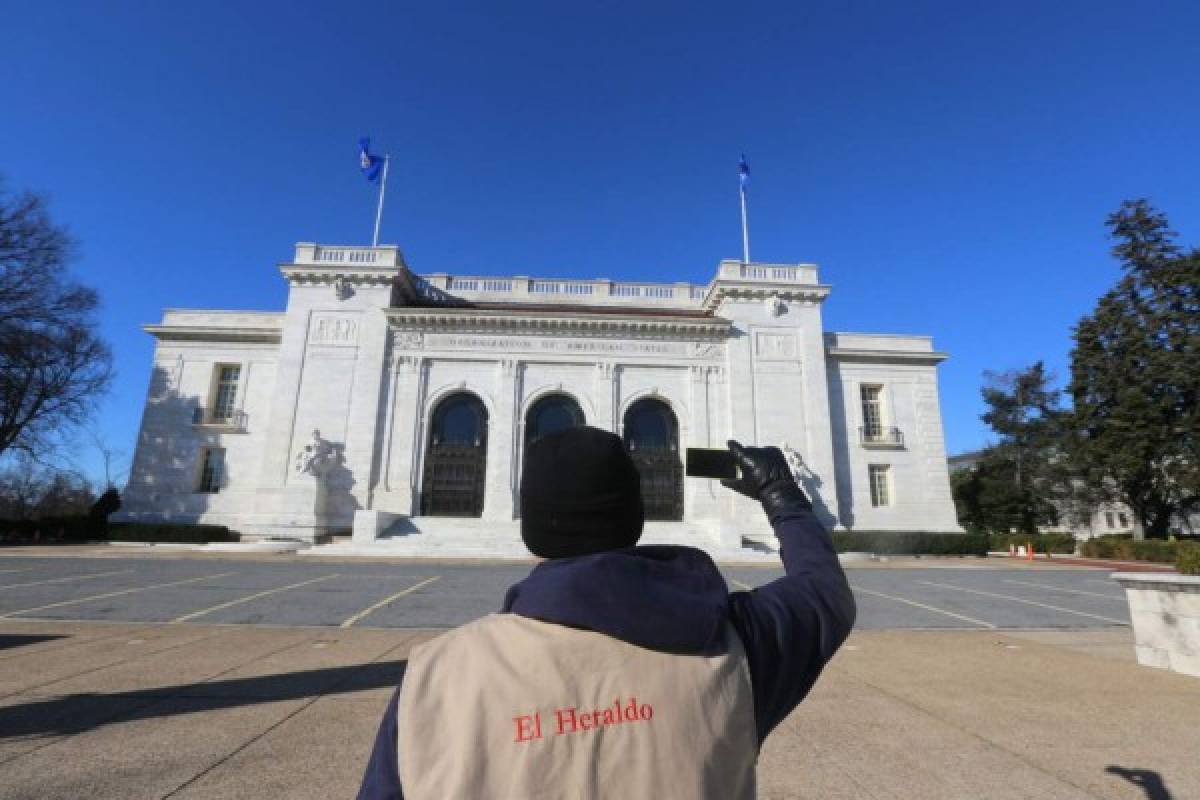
705 463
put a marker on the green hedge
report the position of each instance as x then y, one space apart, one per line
1125 548
170 532
888 543
1063 543
50 529
85 529
1187 561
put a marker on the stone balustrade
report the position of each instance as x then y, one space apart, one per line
600 291
308 253
523 289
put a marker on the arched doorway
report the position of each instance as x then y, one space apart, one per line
455 458
550 414
652 438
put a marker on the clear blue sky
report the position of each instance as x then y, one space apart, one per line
948 165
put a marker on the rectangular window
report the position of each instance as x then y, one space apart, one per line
212 469
881 494
226 392
872 411
1123 518
1108 519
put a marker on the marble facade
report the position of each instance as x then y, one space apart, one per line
356 366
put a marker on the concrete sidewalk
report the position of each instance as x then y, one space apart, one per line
189 711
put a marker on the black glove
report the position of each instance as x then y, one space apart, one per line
766 477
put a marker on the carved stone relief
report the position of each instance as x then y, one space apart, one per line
408 340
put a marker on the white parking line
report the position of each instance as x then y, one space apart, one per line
1068 591
1026 602
248 598
972 620
369 609
79 600
63 580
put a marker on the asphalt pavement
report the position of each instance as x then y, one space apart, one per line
300 591
172 676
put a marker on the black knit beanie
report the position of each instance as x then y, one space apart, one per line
580 493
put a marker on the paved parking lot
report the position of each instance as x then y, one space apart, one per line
297 591
218 677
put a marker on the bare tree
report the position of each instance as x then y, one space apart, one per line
29 490
52 365
116 464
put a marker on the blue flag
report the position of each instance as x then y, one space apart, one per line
370 165
743 172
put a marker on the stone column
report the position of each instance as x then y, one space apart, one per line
398 480
606 396
701 498
818 443
741 406
500 485
282 415
365 407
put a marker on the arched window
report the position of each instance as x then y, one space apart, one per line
555 412
456 458
652 439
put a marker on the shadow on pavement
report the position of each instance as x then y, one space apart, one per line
8 640
78 713
1147 780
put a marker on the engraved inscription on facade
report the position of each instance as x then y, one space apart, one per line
774 345
335 331
441 341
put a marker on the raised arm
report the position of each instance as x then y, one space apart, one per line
792 626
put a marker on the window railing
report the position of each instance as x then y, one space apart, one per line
233 420
872 436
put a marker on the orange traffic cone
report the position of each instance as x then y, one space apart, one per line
1029 550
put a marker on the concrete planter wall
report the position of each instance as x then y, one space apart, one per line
1165 609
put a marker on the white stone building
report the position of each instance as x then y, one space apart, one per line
378 402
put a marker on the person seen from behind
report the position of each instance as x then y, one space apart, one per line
615 670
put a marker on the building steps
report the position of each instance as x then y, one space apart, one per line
446 537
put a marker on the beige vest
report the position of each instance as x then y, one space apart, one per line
511 707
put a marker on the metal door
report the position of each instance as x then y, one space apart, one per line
652 438
456 459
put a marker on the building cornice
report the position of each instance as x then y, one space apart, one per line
927 358
602 325
758 292
316 275
211 333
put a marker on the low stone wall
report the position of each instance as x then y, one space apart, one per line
1165 609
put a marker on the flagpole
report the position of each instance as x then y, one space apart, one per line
745 229
383 188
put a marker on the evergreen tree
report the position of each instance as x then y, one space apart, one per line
1013 485
1135 375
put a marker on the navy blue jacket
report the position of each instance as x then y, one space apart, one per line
673 599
